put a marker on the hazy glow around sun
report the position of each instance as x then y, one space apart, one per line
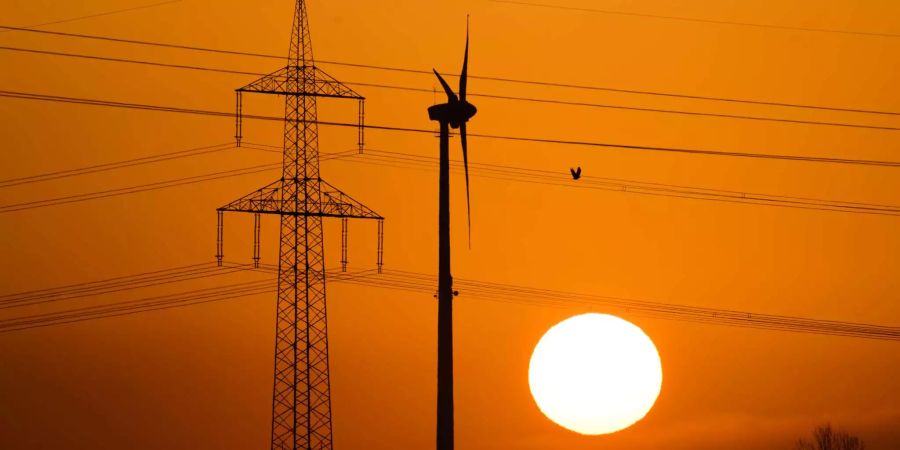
595 374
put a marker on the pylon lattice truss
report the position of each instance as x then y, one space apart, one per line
301 401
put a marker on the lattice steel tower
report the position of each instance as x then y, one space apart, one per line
301 402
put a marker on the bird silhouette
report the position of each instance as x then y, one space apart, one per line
576 173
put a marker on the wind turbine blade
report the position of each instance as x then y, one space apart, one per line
450 95
463 77
465 150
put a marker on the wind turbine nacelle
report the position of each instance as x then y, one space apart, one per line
454 113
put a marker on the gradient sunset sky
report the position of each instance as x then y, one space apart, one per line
201 376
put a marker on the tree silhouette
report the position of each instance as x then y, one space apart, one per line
825 438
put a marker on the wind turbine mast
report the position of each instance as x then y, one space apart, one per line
453 114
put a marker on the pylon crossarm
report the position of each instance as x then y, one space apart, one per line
337 203
305 214
305 80
264 200
334 203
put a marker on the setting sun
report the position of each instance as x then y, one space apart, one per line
595 374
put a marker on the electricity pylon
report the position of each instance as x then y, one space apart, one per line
301 401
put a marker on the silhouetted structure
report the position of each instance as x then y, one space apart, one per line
825 438
301 403
455 113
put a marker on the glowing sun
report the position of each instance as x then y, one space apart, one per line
595 374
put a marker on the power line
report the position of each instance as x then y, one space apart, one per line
506 173
95 102
101 14
174 303
201 272
486 78
129 61
134 189
544 177
527 175
135 306
24 206
155 303
685 113
491 96
140 42
60 290
414 281
693 151
197 151
505 293
693 19
637 187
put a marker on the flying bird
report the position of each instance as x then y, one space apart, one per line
576 173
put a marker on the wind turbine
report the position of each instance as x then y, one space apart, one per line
453 114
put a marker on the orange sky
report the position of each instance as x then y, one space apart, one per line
200 377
